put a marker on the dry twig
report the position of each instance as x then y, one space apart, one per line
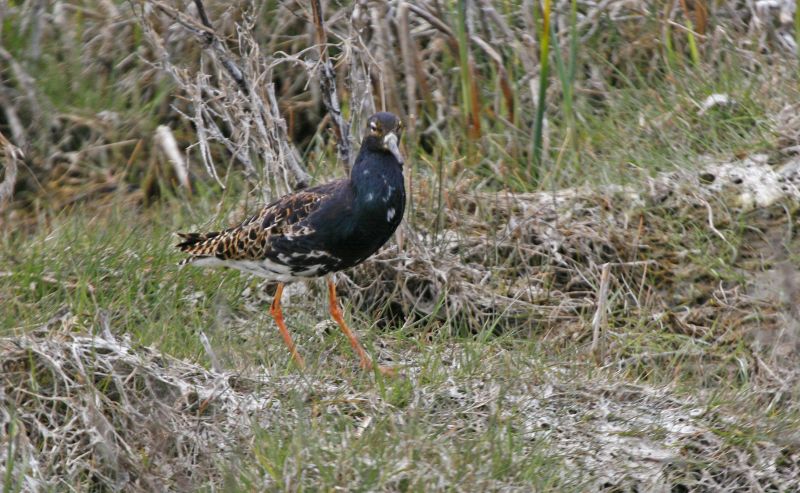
12 154
166 140
599 318
327 83
238 113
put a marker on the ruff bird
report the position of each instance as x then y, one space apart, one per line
317 231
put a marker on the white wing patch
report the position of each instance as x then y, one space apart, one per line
390 214
388 195
317 254
301 231
311 271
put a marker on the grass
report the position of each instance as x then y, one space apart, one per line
544 62
386 452
120 267
461 414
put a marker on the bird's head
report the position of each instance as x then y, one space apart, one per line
383 134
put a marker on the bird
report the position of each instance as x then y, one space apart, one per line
317 231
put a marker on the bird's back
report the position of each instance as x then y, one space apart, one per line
280 242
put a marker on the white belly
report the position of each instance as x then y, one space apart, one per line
262 268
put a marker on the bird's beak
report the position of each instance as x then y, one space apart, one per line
390 144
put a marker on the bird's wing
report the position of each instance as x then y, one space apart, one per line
252 239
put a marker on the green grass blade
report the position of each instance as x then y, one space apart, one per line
544 45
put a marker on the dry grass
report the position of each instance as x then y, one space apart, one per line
646 411
134 66
537 265
112 415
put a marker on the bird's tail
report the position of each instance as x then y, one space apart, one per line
197 245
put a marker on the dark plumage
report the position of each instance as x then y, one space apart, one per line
319 230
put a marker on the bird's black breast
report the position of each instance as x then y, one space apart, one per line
355 227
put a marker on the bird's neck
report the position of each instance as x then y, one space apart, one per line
377 179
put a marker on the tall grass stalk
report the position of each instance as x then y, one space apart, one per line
672 58
538 124
566 73
693 51
437 228
699 11
797 35
8 480
469 98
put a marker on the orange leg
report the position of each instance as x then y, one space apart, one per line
336 313
277 314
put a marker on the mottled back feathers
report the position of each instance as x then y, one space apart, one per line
252 239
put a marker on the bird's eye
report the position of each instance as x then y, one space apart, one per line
373 126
